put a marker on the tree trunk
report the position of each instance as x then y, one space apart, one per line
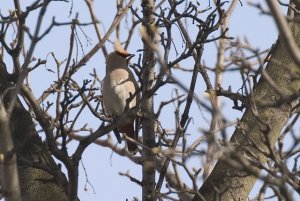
40 177
148 121
267 113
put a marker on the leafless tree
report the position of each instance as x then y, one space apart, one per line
174 34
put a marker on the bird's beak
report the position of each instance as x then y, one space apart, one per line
129 57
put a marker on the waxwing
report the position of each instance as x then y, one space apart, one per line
119 85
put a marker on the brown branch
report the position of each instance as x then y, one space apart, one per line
196 50
10 186
285 31
131 178
257 132
90 4
119 16
148 121
48 129
25 69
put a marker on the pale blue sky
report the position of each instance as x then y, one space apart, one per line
102 166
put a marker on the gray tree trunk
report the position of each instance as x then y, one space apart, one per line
40 177
148 121
267 113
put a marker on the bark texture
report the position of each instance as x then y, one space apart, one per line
9 179
40 177
148 121
234 175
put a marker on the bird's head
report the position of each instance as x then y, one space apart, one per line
119 58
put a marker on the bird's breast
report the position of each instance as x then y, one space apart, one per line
118 86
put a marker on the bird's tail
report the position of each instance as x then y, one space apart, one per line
128 129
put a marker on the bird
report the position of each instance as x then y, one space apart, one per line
119 85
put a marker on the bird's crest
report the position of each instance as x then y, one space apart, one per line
119 49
